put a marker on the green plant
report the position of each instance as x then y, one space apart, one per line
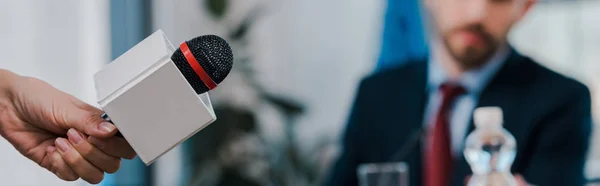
217 8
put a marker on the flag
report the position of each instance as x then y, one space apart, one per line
403 34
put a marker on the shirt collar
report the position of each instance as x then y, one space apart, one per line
474 80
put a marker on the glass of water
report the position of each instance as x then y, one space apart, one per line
383 174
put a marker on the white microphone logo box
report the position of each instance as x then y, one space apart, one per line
149 100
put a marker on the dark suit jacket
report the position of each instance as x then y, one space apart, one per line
548 114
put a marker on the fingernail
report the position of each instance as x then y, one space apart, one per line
50 149
62 145
106 127
97 142
74 136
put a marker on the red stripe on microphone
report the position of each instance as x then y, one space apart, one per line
196 66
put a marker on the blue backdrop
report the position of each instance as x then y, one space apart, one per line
403 34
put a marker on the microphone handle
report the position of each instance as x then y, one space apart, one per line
105 117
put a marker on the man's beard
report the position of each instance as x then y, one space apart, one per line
471 56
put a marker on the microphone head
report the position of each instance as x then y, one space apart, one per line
214 56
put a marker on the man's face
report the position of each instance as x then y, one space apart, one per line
472 30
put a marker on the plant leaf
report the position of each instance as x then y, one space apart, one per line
217 7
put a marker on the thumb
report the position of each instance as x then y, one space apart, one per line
87 119
521 180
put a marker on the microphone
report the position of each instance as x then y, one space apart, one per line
204 61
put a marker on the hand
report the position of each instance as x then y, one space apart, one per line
520 180
34 118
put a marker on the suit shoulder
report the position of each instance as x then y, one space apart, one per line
394 74
552 80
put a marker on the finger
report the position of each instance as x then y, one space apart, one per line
114 146
46 160
85 118
83 105
93 125
94 155
59 167
81 166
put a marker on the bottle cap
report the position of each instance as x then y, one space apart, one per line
488 117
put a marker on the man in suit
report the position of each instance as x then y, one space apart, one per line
470 65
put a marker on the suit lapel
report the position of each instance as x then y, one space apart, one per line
502 91
413 97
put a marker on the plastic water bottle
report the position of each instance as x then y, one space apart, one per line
490 150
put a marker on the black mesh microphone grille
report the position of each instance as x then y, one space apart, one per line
214 56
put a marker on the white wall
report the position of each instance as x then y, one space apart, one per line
62 42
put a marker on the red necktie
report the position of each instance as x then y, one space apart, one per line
438 154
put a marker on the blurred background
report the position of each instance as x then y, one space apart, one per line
298 62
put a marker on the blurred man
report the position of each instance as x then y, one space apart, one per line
470 65
36 117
